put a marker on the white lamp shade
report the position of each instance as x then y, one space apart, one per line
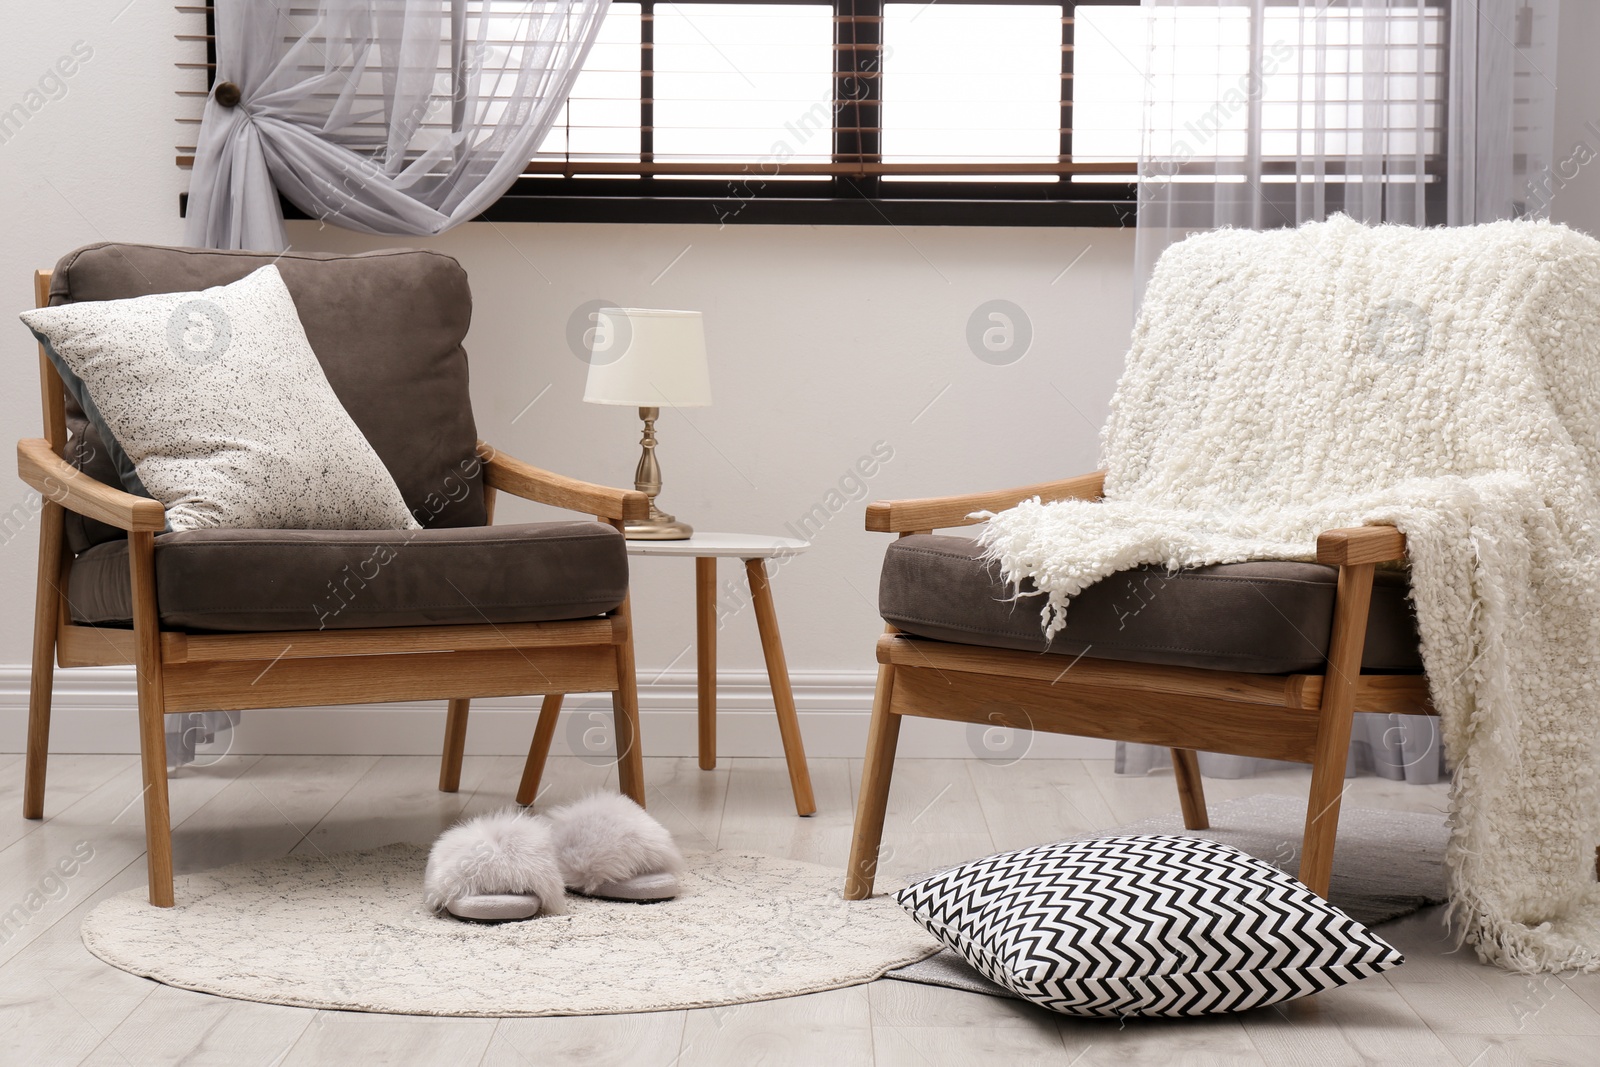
648 359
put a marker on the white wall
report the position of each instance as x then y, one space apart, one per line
823 342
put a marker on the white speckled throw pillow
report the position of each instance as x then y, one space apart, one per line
223 409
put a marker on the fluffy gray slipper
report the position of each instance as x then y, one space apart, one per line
497 867
608 847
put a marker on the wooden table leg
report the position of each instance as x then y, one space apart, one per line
705 617
778 677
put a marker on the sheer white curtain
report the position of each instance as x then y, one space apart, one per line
386 116
1268 113
1264 113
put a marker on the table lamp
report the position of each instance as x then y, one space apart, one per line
649 360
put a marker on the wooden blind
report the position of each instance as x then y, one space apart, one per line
630 48
702 90
195 75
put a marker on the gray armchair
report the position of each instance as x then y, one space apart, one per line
230 619
1267 658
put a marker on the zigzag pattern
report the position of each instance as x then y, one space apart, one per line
1144 925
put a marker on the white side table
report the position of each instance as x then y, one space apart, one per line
755 550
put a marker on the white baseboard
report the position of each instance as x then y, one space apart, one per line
94 712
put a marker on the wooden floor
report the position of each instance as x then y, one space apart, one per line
59 1005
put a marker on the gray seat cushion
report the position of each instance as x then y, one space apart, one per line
1261 617
258 580
387 328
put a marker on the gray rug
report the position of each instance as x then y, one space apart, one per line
1388 864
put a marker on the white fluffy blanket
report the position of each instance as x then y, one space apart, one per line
1448 381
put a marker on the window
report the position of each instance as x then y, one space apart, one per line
1008 112
852 111
973 84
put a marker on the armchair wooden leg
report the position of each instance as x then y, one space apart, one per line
1352 599
873 803
152 716
1322 825
539 751
625 717
1191 791
455 745
46 617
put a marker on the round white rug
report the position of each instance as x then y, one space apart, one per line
349 932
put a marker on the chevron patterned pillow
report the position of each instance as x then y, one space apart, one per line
1144 925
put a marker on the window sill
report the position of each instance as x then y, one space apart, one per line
1115 212
774 211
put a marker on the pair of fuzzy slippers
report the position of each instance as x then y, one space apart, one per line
510 865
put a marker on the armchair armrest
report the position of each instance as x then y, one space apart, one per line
62 483
513 476
937 512
1361 544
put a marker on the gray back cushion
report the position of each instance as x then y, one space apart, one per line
387 328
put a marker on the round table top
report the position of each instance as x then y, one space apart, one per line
737 545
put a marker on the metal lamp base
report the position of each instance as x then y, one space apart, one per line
659 526
650 530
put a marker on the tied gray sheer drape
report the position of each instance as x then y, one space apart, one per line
1268 113
385 116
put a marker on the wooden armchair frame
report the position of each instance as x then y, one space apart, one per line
1301 717
180 672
